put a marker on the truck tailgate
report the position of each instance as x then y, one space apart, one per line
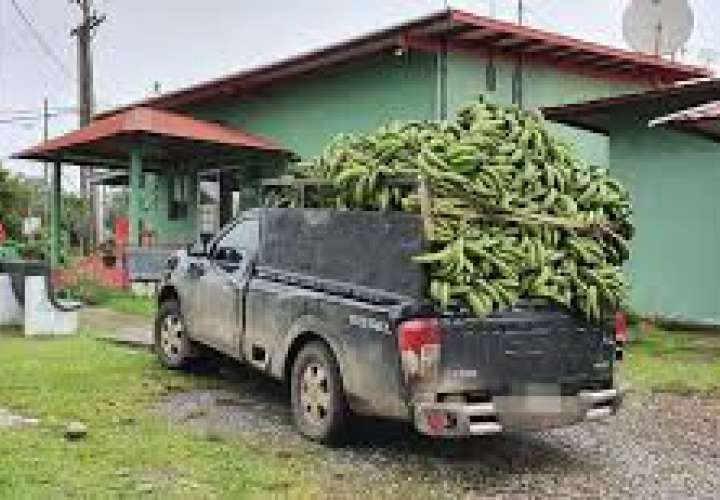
529 345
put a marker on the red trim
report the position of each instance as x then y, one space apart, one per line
455 26
152 122
561 41
677 90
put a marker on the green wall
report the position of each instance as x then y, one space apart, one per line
307 113
154 209
543 85
674 179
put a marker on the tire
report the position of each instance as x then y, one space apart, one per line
172 344
319 407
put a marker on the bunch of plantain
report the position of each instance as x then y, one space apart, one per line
515 213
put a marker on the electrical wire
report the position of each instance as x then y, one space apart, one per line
30 119
62 109
41 41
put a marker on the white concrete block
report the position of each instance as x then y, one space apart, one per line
41 316
11 312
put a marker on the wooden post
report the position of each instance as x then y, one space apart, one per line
136 194
55 207
425 207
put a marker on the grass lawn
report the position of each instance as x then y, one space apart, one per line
129 452
680 362
131 304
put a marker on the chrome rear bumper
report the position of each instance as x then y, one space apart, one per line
514 413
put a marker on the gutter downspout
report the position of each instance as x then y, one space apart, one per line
441 69
441 112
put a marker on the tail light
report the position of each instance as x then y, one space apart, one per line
420 342
621 327
621 334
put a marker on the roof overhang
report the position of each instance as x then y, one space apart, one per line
164 138
598 115
703 120
458 31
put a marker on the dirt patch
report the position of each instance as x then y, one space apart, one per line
660 445
117 327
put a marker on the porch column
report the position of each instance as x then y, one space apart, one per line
135 196
55 207
193 202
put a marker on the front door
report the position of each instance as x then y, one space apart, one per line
217 317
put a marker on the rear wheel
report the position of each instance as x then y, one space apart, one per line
172 344
318 401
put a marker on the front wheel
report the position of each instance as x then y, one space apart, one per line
172 344
318 401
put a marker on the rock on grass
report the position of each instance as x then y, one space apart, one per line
75 431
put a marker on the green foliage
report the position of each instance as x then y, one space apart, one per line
86 288
683 362
14 201
83 286
514 212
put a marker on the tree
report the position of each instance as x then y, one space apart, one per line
15 196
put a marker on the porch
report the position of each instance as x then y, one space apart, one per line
162 157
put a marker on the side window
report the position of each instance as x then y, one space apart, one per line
238 243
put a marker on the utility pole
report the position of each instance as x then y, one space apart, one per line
46 176
91 20
521 12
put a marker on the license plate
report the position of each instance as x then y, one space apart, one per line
547 405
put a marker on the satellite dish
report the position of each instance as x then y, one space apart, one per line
659 27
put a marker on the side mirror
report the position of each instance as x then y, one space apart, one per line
197 250
228 255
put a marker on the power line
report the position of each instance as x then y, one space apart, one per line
30 118
64 109
41 41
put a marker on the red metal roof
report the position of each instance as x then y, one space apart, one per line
597 115
461 31
709 111
703 120
102 138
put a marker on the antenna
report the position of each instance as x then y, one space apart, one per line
659 27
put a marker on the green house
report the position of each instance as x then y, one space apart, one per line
669 157
237 129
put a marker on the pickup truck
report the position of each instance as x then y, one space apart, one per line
331 303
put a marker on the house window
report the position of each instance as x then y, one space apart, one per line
178 187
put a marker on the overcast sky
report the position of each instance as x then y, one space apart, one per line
179 42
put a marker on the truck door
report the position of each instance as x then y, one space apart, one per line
217 316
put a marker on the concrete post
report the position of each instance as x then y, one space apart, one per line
135 196
55 207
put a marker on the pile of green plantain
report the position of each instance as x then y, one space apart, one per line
511 211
